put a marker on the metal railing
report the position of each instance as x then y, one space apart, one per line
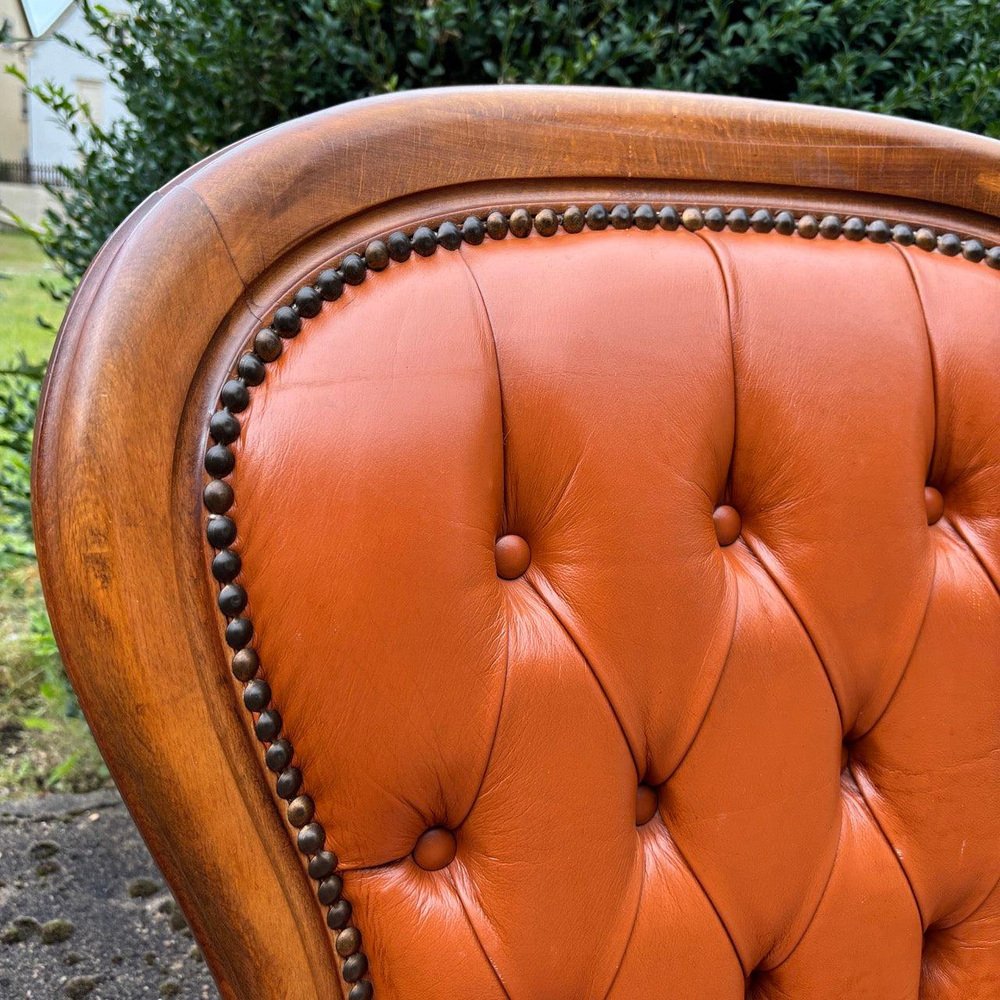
26 172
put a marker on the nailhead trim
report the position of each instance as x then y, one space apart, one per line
307 302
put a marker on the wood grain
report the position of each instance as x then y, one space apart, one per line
178 290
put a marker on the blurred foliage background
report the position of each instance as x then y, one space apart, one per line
200 74
197 75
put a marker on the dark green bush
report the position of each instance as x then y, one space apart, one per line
199 74
19 388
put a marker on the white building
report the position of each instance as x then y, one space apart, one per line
49 59
32 142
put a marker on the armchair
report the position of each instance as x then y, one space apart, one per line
545 543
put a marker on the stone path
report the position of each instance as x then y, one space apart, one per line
84 913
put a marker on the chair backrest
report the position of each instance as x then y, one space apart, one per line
544 543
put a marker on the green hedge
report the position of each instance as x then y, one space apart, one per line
199 74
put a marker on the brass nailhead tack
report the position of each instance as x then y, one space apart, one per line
546 222
245 664
784 223
473 231
621 217
808 227
330 889
307 302
235 395
692 219
645 217
324 863
353 268
251 369
573 220
496 225
520 223
267 345
300 810
288 784
330 284
424 242
221 530
348 941
226 565
339 915
311 838
279 754
286 321
762 221
669 219
597 217
449 236
398 246
257 695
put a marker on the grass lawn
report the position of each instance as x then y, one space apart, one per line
44 743
22 301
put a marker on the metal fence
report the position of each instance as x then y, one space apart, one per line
26 172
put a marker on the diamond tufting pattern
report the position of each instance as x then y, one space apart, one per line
535 530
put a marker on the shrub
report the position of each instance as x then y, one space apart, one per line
19 388
199 74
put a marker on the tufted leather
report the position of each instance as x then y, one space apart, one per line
529 525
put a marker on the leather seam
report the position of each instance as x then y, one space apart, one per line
503 406
723 277
930 351
959 530
805 629
909 659
711 902
892 850
729 481
478 940
506 621
715 690
819 902
496 728
593 673
635 920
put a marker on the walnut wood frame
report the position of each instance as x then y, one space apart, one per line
178 291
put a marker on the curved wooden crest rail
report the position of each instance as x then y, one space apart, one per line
177 293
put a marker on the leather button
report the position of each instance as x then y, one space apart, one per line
727 524
512 555
435 849
934 503
646 802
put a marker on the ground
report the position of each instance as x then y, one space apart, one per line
84 913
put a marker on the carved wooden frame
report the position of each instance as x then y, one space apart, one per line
179 290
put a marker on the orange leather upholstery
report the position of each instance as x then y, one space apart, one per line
545 537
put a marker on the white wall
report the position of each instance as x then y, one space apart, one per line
51 60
